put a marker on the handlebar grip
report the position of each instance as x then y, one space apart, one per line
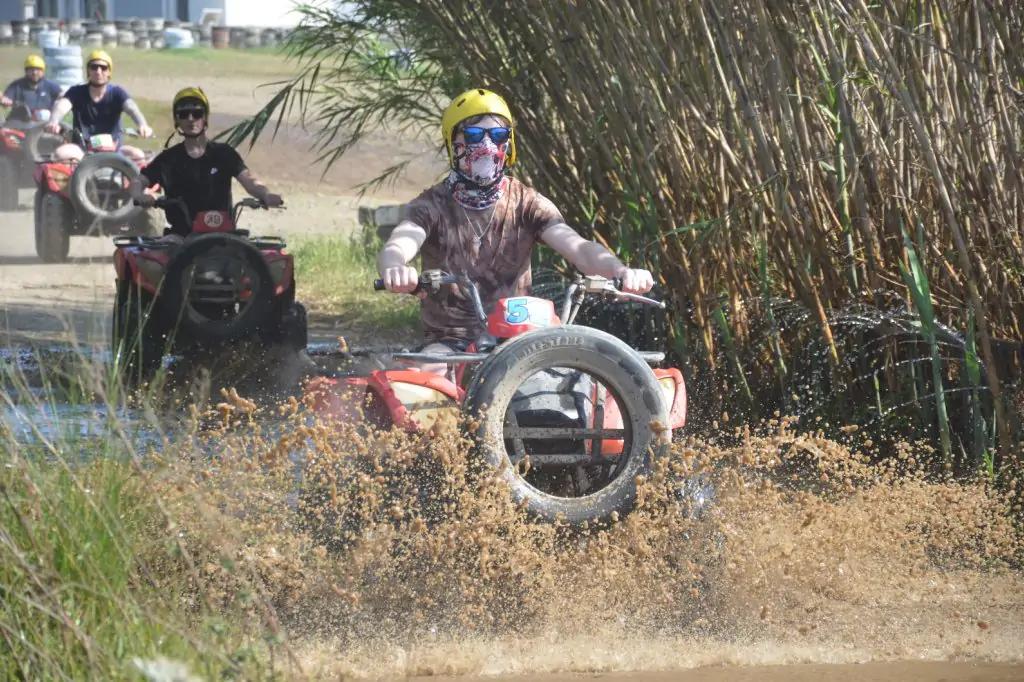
378 285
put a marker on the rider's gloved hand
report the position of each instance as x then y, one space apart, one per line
147 200
635 281
400 280
273 200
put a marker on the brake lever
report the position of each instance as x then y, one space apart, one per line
640 299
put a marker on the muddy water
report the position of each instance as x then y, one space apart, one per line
812 554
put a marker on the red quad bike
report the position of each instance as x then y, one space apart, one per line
23 140
88 198
569 415
221 286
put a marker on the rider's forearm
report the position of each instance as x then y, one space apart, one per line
596 260
132 109
402 246
253 186
61 108
391 256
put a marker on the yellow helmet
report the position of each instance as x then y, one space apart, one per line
476 102
35 62
100 56
191 92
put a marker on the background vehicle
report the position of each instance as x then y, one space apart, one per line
568 415
88 198
23 140
219 287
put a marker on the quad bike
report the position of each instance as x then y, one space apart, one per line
579 408
88 198
219 286
22 137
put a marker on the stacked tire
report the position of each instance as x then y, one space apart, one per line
178 38
64 64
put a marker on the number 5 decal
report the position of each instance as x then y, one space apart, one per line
516 311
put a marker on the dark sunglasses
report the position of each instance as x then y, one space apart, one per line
475 134
97 66
192 113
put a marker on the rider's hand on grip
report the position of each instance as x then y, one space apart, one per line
400 280
634 281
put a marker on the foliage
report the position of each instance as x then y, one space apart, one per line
781 142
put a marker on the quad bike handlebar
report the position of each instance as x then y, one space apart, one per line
236 210
431 282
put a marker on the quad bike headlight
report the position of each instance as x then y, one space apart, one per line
151 270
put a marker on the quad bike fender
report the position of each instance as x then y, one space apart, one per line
144 269
10 139
282 268
416 401
674 388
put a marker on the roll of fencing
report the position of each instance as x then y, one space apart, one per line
64 64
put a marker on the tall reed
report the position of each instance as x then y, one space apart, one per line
801 135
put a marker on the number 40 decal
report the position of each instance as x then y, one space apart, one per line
516 311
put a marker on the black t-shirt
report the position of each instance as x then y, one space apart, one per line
203 183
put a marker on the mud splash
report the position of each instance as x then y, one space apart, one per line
812 552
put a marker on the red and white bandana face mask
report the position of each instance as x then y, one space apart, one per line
478 180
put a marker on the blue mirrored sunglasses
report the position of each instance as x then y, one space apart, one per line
475 134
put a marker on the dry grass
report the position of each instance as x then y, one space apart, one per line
132 64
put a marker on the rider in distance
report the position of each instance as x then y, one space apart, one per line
97 107
34 91
197 170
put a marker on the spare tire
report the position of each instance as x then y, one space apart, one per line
83 203
251 319
608 359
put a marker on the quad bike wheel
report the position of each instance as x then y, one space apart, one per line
8 184
256 312
136 350
53 220
85 203
609 360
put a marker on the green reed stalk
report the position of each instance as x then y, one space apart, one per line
916 280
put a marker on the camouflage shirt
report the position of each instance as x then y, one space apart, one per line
492 245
